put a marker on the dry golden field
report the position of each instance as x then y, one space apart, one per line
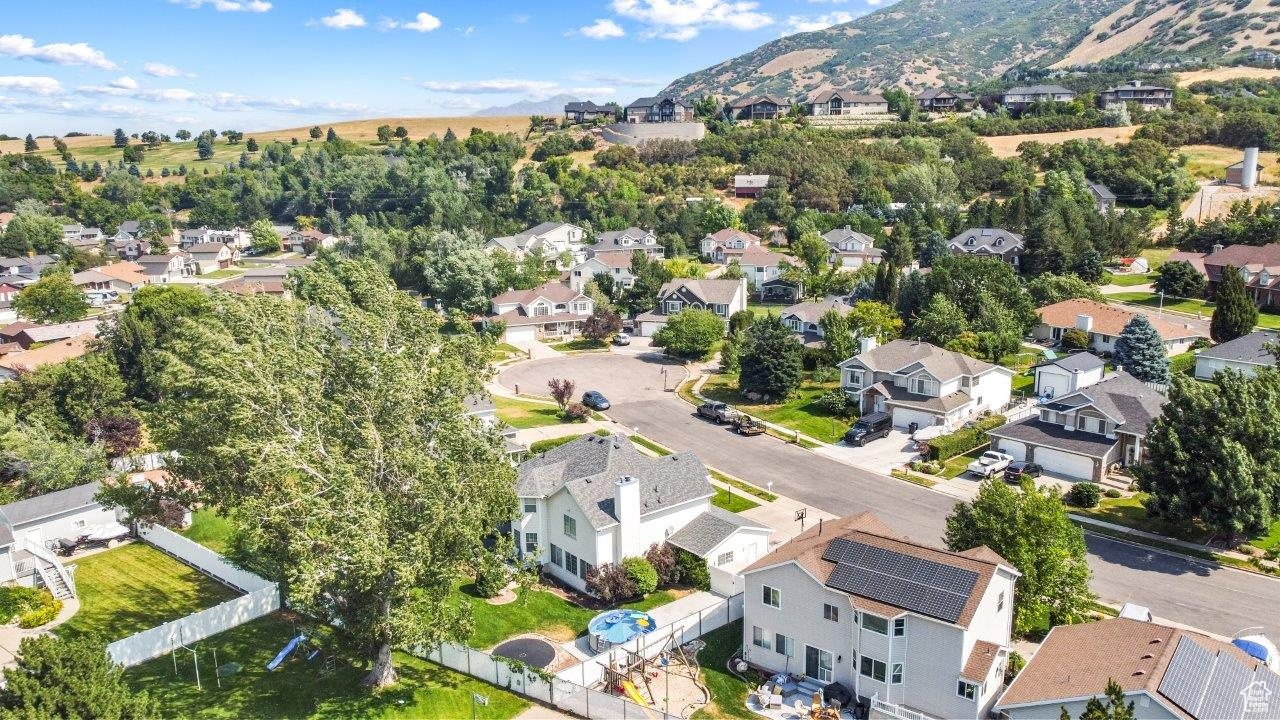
1007 145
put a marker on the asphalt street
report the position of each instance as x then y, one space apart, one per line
1217 599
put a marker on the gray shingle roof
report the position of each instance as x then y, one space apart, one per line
902 397
54 503
588 467
1122 397
992 238
849 96
896 355
1247 349
1079 362
1102 191
709 529
647 102
1042 434
812 312
707 291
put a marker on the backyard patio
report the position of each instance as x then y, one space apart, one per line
788 697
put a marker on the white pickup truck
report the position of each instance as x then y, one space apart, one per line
989 463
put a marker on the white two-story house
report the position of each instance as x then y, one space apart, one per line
596 500
626 242
614 264
851 249
805 318
549 310
235 238
909 629
760 265
722 297
723 246
28 527
923 384
550 238
1089 425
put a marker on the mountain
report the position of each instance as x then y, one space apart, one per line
553 105
921 43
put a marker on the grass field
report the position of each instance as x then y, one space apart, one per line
1225 73
800 412
297 688
958 465
1129 512
1211 161
1193 306
1128 279
210 530
136 587
522 414
733 502
1007 145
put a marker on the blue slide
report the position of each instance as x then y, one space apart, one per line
293 644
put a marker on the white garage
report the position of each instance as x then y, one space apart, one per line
648 328
1059 462
902 417
521 334
1012 448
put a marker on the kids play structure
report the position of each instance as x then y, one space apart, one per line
669 678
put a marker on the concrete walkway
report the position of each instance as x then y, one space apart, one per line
537 350
529 436
11 636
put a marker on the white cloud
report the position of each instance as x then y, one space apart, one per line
124 82
231 102
602 29
121 89
20 46
458 103
156 69
343 19
36 85
423 22
254 6
683 34
810 23
682 20
495 86
614 79
466 31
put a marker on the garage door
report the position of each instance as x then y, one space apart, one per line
525 333
1012 448
1057 462
648 329
905 416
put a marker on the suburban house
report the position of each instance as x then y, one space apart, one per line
1149 97
626 242
722 297
550 238
805 318
728 244
937 100
132 228
27 334
616 265
659 109
235 238
171 267
1080 433
760 107
1066 374
851 249
847 102
989 242
1103 323
1244 355
26 525
260 281
596 500
82 238
128 273
22 271
1167 673
549 310
305 242
760 265
913 631
128 247
13 364
212 256
749 186
1259 265
1103 199
94 279
1018 98
922 384
588 111
780 289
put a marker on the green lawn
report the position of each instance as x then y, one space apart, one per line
1193 306
580 345
1023 384
522 414
1129 279
136 587
728 692
764 309
1130 513
957 466
650 445
210 529
503 351
223 274
745 487
299 688
799 412
732 502
537 611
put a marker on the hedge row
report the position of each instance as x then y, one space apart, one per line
963 440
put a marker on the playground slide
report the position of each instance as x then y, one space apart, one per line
293 644
630 689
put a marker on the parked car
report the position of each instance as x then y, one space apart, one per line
1018 468
101 298
108 535
622 339
989 463
595 400
868 428
718 411
747 425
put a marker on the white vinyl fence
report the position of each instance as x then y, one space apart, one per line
262 597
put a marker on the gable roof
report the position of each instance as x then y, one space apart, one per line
757 256
719 292
1101 191
727 234
54 503
1077 362
1108 319
898 355
1120 396
706 531
61 331
613 236
589 466
996 239
585 106
556 292
208 247
1249 349
53 352
1242 255
847 96
755 99
1039 90
839 235
129 272
932 93
812 311
750 181
647 102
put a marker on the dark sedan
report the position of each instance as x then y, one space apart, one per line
1018 468
595 400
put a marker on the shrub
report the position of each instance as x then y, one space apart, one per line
576 412
1014 666
610 583
663 559
542 446
826 374
492 576
45 613
1112 493
1074 339
642 574
16 600
963 440
693 570
1084 495
836 403
1184 364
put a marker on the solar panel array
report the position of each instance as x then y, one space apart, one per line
905 581
1218 685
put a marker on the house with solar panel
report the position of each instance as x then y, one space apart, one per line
910 630
1165 672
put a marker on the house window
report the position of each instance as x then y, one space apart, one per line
570 527
967 690
531 506
531 542
584 567
721 309
899 627
875 624
872 668
557 555
1000 602
541 310
571 563
784 645
772 597
817 664
673 307
830 612
895 674
724 558
760 638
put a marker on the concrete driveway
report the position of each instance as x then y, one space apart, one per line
880 455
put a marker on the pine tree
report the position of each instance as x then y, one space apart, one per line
252 145
330 136
315 132
74 678
120 138
1235 314
30 145
771 359
1141 352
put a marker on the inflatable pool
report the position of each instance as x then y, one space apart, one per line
615 627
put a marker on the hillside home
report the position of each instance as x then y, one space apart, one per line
922 384
1078 434
937 100
1259 265
1166 673
212 256
597 500
96 280
129 248
27 525
989 242
588 111
127 274
1104 201
132 228
1103 323
614 264
659 109
1018 98
722 246
847 102
626 242
550 238
749 186
914 632
851 249
760 265
235 238
82 238
1148 97
805 319
250 285
1244 355
306 242
27 334
171 267
550 310
760 107
722 297
22 271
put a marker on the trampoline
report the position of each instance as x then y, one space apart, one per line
531 651
615 627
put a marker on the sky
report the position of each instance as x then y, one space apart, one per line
91 66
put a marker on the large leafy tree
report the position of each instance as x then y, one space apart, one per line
32 230
770 359
940 322
52 299
140 339
331 430
1047 289
1029 528
70 678
68 396
601 325
837 336
265 238
35 459
1214 454
1140 351
690 334
1179 279
1235 314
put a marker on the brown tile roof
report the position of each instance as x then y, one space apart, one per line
553 291
1241 255
981 658
129 272
1107 319
54 352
